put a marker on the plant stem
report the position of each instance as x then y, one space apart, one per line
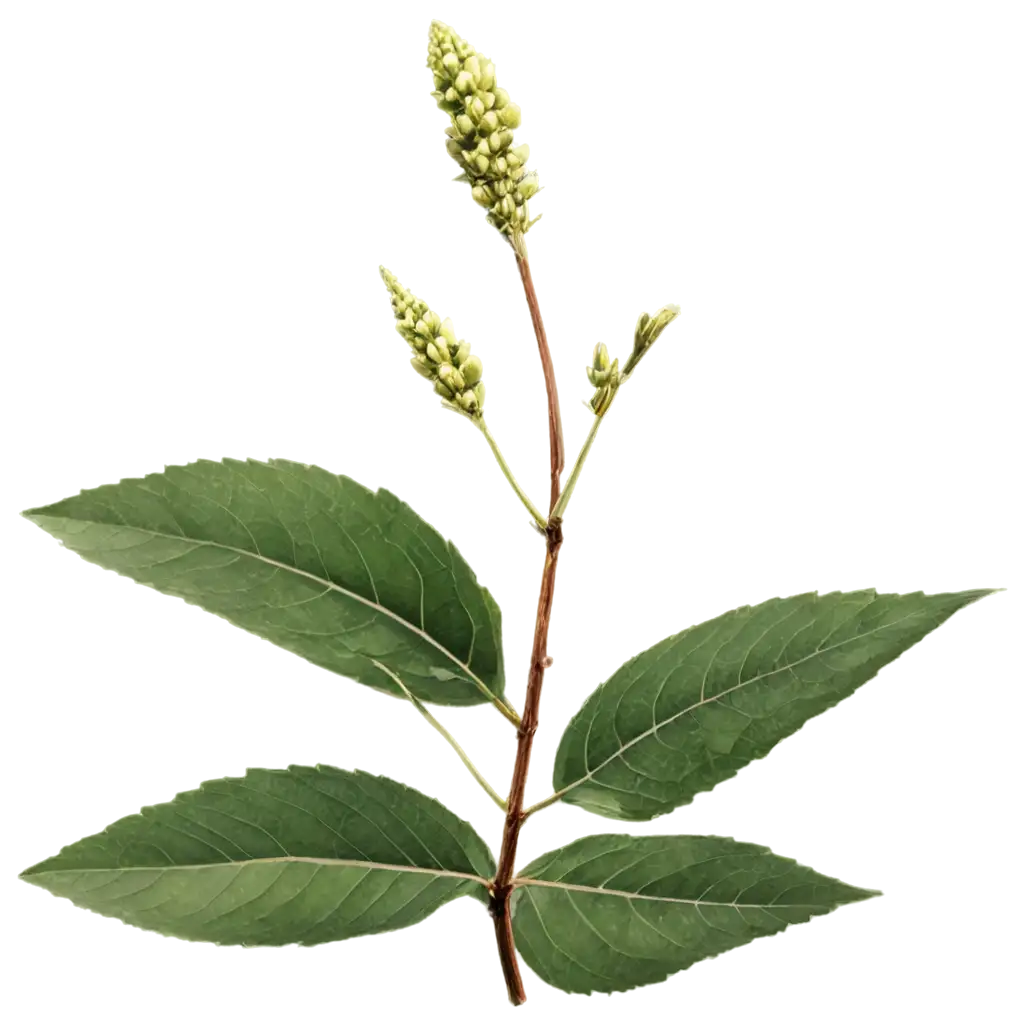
520 493
539 661
463 756
554 414
559 510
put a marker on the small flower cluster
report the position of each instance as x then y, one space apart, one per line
480 136
648 329
440 357
604 375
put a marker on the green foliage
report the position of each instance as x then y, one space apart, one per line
313 562
608 913
305 855
695 708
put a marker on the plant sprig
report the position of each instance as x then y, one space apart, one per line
357 583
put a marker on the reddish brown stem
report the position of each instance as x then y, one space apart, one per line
502 890
500 911
554 415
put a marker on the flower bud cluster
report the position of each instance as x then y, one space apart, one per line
440 357
648 329
480 136
604 375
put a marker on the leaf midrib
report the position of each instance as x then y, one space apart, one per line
320 861
709 700
571 887
329 584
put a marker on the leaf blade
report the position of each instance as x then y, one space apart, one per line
313 562
610 912
691 711
306 855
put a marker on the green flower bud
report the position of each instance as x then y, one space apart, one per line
468 401
659 322
442 346
648 329
601 400
529 186
604 375
603 368
451 378
423 367
472 370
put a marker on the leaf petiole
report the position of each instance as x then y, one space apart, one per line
541 804
508 712
463 756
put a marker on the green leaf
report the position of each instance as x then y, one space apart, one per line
608 912
305 855
311 561
695 708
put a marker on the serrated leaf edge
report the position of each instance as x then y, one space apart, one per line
553 798
235 773
871 896
31 517
25 879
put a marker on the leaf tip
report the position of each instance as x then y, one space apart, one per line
30 516
28 874
843 894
